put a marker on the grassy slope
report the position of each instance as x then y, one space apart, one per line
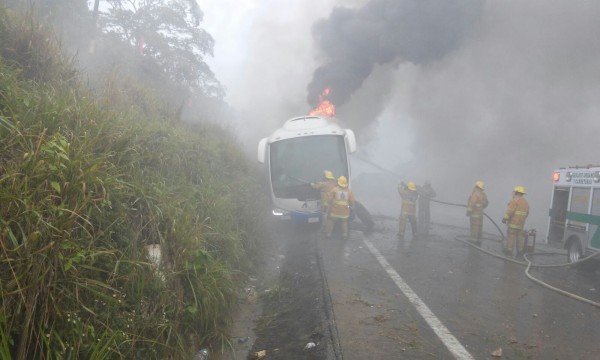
86 181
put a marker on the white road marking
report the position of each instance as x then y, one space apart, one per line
436 325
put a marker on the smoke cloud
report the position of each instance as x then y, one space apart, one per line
354 41
264 56
449 91
507 104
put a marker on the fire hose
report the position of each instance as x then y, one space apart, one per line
528 263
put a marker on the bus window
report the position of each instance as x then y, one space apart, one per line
296 162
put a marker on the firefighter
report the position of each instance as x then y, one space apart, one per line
426 193
515 216
408 193
325 187
475 205
341 201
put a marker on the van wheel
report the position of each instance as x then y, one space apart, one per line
574 251
575 254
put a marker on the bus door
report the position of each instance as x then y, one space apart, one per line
558 214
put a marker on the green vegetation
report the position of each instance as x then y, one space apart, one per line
87 180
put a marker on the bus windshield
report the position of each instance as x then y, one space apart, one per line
298 161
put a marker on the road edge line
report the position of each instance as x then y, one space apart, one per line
451 343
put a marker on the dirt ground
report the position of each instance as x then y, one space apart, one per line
285 311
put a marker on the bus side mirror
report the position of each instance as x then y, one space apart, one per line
350 140
262 148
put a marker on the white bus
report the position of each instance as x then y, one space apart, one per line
575 211
295 155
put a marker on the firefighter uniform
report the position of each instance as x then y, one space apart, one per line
475 205
409 196
325 187
341 200
515 215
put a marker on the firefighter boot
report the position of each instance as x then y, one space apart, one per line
414 227
324 218
401 227
344 229
521 243
511 239
329 227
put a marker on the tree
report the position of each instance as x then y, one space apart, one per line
168 32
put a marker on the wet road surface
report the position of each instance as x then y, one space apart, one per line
479 303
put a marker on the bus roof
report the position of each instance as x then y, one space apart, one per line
306 126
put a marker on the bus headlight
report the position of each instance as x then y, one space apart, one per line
568 176
597 176
280 212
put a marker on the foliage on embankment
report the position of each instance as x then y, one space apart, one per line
87 181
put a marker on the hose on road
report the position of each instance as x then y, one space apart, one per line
528 263
548 286
463 205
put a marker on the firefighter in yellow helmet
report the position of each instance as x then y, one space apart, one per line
341 201
408 193
325 186
515 216
475 205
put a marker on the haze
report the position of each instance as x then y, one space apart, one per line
508 97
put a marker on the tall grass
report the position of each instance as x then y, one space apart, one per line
86 181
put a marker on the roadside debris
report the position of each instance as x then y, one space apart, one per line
497 352
259 354
251 294
310 345
202 354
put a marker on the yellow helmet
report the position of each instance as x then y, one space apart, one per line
480 184
411 186
328 175
342 181
520 189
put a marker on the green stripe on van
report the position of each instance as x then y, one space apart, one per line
588 219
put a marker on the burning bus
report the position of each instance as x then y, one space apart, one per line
296 155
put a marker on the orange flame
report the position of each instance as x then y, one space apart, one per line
325 107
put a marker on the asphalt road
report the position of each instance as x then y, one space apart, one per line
438 298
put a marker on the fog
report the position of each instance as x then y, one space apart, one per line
502 92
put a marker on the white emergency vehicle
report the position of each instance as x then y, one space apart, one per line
296 155
575 211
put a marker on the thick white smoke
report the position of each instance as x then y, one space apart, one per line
515 101
265 56
512 98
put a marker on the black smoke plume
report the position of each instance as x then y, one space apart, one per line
353 41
